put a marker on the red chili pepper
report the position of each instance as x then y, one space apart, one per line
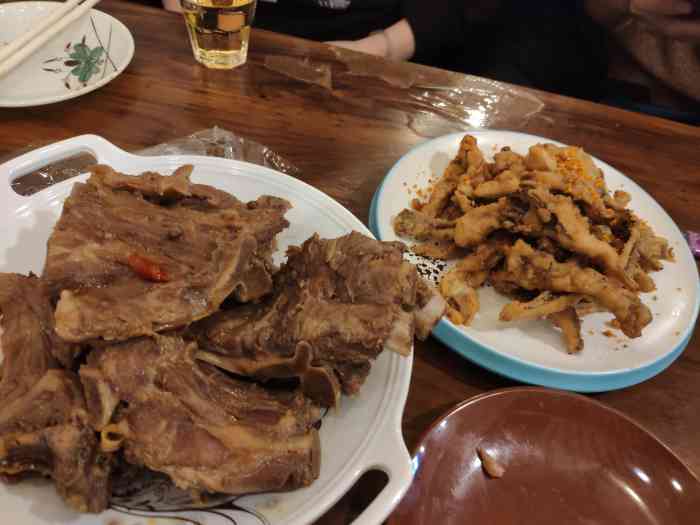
147 269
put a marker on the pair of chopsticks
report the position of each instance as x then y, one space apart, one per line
29 43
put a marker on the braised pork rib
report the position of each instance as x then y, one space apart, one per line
337 304
43 419
132 256
161 339
207 431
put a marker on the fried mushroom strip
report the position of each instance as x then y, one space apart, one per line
568 170
477 171
437 250
619 200
630 246
573 232
506 159
422 227
475 225
534 270
462 199
468 163
635 271
502 184
588 307
458 285
462 299
540 158
652 249
545 304
570 325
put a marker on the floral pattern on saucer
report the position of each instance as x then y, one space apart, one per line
81 63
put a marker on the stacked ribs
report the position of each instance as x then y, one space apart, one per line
160 335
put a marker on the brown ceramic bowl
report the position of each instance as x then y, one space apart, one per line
567 459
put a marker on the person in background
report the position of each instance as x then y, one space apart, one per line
638 54
651 48
394 29
641 54
654 55
547 44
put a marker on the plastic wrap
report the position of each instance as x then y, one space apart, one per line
218 142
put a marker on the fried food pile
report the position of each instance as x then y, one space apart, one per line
542 229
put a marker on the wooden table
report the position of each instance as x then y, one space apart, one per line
345 137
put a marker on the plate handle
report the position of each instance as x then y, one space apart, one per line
388 454
104 151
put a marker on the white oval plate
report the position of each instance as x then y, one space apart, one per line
363 433
533 351
68 65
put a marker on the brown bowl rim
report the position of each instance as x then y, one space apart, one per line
549 391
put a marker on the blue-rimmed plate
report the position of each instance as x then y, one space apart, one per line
532 351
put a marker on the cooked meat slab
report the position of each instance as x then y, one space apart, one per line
187 419
43 420
337 304
135 255
198 362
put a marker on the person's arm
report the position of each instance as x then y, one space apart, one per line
396 42
172 5
607 13
427 28
663 37
668 18
436 24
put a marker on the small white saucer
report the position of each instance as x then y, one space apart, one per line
88 54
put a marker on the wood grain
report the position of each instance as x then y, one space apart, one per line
346 137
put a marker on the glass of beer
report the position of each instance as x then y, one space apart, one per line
219 30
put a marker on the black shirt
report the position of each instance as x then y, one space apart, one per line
546 44
434 23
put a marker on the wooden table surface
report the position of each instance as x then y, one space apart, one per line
345 129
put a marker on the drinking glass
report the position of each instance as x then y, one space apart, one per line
219 30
